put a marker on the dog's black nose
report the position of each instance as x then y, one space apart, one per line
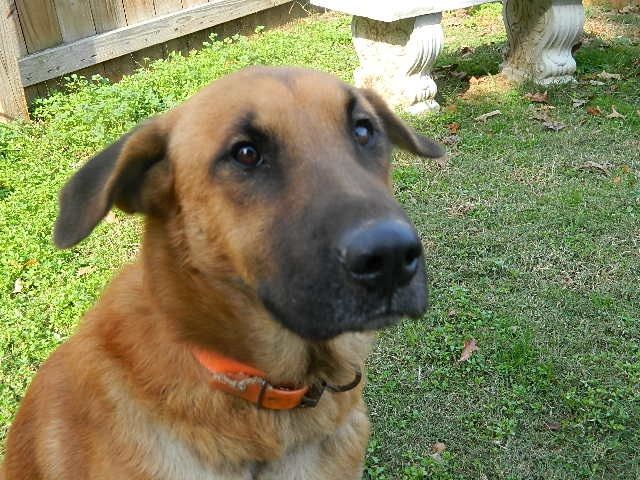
381 255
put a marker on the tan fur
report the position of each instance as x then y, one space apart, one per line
124 398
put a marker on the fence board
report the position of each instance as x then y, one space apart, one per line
61 60
138 10
39 24
108 15
75 19
12 97
163 7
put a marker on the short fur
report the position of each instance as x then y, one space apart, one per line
231 260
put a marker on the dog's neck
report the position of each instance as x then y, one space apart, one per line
208 317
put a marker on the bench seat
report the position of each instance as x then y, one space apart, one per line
398 43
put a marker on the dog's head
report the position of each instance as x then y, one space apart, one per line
275 181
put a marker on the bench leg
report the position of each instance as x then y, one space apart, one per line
396 59
542 35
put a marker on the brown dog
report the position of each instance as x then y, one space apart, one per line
272 246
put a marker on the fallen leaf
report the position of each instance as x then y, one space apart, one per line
31 262
111 217
537 97
596 83
579 102
485 116
453 127
451 139
629 9
595 111
609 76
459 75
553 426
595 167
451 108
17 286
84 271
615 114
460 209
617 180
545 107
438 447
626 169
470 346
466 51
554 125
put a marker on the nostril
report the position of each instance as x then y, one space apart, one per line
411 256
369 265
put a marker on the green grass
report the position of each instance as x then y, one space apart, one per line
530 253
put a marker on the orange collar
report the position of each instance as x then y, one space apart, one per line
246 382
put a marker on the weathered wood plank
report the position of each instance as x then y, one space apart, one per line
108 15
39 24
167 6
61 60
75 19
138 10
193 3
13 103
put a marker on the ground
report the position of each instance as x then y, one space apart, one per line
532 238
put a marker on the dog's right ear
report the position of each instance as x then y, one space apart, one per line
129 174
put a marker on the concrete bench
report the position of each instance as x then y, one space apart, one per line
399 41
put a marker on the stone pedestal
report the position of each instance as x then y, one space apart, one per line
541 35
396 59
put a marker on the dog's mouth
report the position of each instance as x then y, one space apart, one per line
331 313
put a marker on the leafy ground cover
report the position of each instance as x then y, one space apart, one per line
531 231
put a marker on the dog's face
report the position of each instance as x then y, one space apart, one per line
278 182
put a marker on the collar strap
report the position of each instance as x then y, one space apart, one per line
249 383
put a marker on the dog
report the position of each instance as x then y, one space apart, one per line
232 348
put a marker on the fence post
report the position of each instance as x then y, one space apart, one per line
13 103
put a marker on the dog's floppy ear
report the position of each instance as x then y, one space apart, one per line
401 134
129 174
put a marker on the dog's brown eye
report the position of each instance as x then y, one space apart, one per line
247 155
363 132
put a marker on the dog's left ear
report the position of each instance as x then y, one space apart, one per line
400 133
133 174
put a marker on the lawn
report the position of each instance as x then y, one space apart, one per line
532 238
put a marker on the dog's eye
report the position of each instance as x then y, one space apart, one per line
247 155
363 132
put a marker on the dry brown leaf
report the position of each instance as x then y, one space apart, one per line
626 169
554 125
470 346
451 108
609 76
617 180
615 114
630 9
485 116
460 209
453 127
438 447
537 97
459 75
17 286
31 262
84 271
451 139
579 102
595 111
553 426
595 167
111 217
466 51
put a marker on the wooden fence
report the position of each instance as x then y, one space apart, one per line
41 40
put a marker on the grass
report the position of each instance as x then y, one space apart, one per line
532 238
